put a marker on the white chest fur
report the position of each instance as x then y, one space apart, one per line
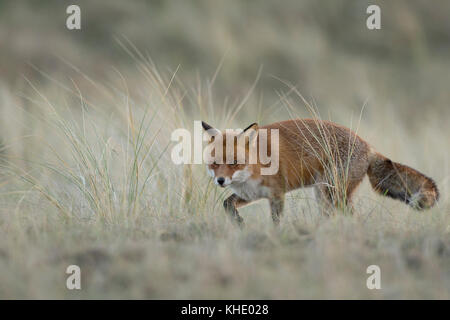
250 190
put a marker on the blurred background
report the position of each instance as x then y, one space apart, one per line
321 47
82 181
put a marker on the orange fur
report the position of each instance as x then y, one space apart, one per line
322 154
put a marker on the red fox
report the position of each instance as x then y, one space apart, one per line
329 157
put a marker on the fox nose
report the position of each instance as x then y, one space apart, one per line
220 180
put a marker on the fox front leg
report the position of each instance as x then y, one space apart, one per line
231 204
276 208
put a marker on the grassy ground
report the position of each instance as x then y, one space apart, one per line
86 176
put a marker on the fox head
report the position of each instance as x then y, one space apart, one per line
228 156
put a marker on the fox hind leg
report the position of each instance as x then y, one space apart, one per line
350 191
329 200
324 198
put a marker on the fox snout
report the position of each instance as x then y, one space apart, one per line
222 181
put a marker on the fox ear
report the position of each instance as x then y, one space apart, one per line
251 132
210 130
206 126
253 126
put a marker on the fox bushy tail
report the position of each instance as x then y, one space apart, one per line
402 182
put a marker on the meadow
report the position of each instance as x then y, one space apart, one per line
86 176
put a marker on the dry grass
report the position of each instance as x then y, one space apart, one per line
87 179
